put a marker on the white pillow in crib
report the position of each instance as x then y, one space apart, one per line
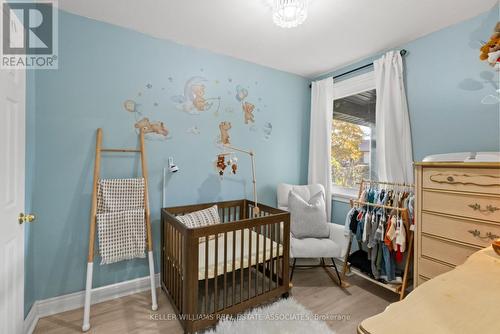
205 217
308 219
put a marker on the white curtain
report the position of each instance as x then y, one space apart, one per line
320 138
394 150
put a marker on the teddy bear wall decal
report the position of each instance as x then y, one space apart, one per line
224 128
248 109
151 127
197 96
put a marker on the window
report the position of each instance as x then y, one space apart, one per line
353 135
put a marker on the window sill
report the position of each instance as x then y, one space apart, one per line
342 194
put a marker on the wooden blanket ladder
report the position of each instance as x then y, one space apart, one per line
93 222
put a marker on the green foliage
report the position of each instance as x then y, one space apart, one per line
347 166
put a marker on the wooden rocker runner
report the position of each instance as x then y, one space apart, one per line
93 221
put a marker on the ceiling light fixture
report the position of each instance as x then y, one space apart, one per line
289 13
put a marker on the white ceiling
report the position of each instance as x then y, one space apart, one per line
336 32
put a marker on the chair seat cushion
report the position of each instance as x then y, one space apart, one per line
313 247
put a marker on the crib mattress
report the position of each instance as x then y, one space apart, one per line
239 261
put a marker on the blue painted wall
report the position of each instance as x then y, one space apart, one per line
445 83
101 66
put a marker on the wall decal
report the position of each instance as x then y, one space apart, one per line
241 93
198 97
194 101
149 127
267 129
130 105
224 128
248 112
194 130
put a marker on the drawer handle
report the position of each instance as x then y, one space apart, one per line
466 179
489 208
489 235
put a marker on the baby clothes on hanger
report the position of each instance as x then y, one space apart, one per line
347 223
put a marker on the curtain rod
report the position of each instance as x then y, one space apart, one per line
402 53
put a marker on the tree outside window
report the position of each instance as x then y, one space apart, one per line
350 153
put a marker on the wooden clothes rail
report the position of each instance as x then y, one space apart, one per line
399 289
93 221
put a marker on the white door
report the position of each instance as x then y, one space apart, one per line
12 151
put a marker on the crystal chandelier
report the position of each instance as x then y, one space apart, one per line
289 13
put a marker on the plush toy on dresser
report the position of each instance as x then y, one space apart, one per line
490 51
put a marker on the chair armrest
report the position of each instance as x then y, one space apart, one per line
337 236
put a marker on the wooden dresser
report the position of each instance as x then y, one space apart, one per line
457 213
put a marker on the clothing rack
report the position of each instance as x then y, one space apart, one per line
93 221
399 289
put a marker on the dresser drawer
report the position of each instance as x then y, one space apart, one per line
463 205
445 251
431 269
479 234
466 179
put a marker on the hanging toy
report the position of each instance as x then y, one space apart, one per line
221 164
234 164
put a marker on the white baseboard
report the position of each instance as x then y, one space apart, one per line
72 301
31 320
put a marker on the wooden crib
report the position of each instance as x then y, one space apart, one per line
245 263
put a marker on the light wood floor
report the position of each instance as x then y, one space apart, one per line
311 287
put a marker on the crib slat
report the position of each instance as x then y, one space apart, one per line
249 262
174 270
241 265
179 290
177 267
234 268
264 262
167 249
225 270
206 275
181 254
278 262
257 260
273 226
177 278
170 267
216 266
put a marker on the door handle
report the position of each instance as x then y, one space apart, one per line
29 218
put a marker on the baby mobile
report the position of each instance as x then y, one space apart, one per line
232 161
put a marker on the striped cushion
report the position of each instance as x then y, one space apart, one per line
201 218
